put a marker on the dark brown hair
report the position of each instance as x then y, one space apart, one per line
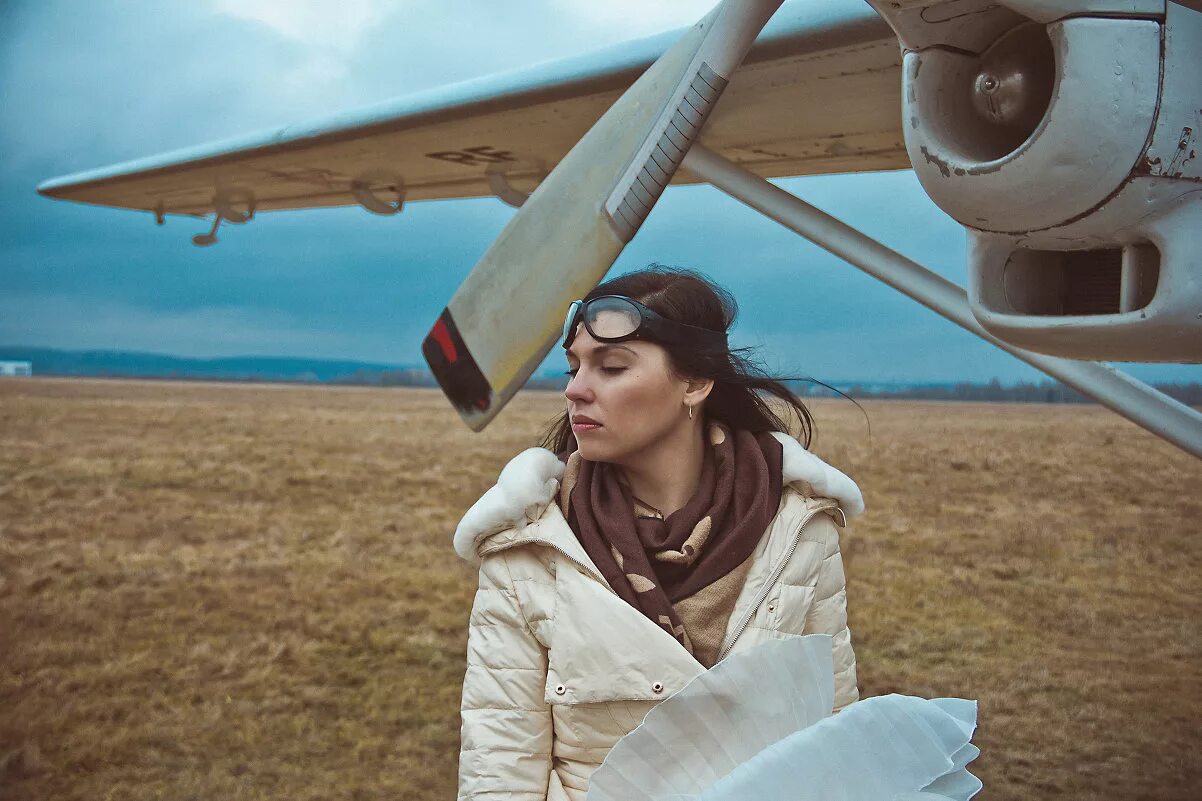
686 296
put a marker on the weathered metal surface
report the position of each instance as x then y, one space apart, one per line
1110 169
1096 126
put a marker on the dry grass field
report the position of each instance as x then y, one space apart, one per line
248 592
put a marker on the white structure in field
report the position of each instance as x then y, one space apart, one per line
16 368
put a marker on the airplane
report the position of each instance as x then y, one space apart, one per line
1062 134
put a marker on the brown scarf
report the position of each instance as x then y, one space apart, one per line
654 563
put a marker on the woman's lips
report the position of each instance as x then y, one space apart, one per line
581 424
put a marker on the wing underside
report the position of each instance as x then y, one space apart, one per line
819 93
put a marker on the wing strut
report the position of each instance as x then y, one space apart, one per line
1129 397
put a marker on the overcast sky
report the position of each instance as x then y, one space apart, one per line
86 84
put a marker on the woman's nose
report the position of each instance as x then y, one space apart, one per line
578 389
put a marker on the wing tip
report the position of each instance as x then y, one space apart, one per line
50 187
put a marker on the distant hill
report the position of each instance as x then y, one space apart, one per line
126 364
1046 391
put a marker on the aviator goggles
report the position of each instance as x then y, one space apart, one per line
617 318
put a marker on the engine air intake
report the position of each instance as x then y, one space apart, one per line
1076 283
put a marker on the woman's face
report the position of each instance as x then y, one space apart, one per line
626 387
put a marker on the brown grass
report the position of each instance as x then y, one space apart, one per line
240 592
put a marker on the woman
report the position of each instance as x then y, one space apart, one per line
671 521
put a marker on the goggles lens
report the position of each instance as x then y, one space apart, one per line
612 317
606 318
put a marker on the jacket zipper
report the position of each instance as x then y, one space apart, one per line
772 577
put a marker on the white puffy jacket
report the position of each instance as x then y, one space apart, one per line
559 667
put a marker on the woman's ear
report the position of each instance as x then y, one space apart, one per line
697 390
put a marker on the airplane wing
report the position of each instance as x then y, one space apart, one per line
818 93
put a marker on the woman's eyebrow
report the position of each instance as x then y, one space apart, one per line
600 350
615 347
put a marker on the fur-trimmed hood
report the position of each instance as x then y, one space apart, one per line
531 479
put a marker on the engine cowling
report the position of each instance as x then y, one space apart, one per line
1065 135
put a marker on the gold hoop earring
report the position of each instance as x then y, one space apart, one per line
690 412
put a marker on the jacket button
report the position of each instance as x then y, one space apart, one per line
658 687
560 689
771 607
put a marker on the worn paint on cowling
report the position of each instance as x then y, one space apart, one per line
1094 132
